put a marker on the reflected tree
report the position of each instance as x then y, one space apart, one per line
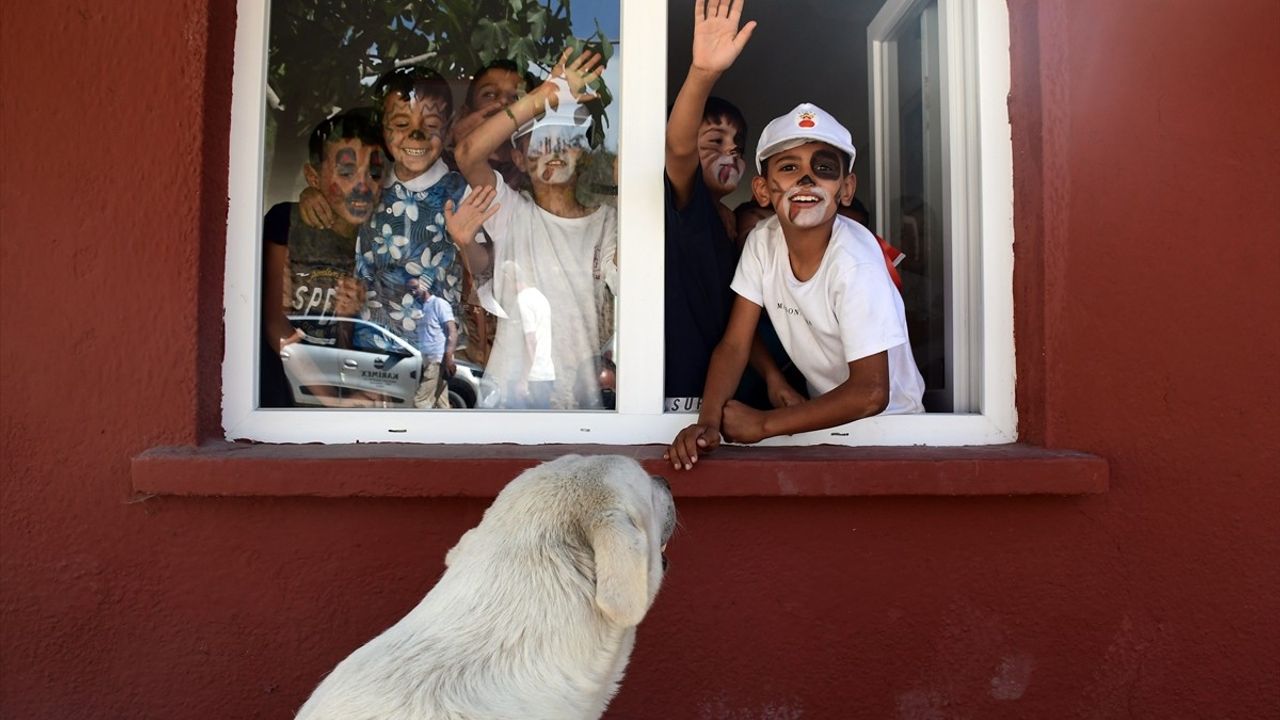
325 54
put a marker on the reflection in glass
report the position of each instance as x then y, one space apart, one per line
916 220
387 281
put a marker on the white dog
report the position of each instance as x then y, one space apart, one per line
536 613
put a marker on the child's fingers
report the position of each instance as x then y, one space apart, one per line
699 11
740 41
715 9
735 11
493 210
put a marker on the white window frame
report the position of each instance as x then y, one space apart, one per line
639 418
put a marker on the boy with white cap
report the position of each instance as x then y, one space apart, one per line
822 279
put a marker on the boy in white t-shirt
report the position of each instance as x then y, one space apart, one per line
822 279
565 250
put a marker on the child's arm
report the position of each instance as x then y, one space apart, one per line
464 223
473 152
780 392
864 394
727 363
447 363
716 44
314 209
275 323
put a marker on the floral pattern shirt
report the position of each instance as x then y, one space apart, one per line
405 240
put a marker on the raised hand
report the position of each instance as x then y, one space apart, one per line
579 74
717 41
465 220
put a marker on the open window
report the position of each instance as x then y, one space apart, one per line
951 148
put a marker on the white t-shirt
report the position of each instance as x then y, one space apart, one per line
847 311
535 319
570 261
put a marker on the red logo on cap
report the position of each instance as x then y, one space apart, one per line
806 120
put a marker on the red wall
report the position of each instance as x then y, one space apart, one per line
1148 202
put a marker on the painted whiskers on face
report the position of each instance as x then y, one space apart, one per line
414 130
805 184
729 169
806 205
553 157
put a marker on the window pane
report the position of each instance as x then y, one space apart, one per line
380 116
827 41
916 202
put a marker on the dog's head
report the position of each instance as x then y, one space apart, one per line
602 517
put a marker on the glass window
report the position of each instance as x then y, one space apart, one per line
356 129
379 116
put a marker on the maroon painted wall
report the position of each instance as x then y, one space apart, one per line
1148 202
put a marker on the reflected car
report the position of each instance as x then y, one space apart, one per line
349 362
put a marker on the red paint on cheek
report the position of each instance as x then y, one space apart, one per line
334 193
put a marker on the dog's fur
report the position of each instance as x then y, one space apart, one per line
535 615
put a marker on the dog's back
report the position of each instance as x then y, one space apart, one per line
516 628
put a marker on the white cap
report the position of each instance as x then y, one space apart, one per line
806 123
567 113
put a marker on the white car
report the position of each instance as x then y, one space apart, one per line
349 362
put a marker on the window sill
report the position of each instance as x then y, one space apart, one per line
389 470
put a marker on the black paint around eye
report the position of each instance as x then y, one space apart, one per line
826 165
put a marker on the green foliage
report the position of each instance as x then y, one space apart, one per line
324 53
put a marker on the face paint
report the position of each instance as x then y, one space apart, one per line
720 156
806 205
804 183
826 165
553 154
349 178
413 130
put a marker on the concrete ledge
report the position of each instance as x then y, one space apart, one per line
390 470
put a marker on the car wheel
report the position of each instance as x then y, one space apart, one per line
461 395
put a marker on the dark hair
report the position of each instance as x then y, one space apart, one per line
412 80
356 124
718 108
530 82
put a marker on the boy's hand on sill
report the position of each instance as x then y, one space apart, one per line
743 423
683 452
314 209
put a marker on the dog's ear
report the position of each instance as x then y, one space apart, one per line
454 551
622 568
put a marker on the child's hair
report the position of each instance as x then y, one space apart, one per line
718 108
355 124
413 80
530 82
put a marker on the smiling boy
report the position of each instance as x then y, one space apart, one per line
405 242
822 280
565 250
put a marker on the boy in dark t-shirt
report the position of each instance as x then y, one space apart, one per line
705 138
309 271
